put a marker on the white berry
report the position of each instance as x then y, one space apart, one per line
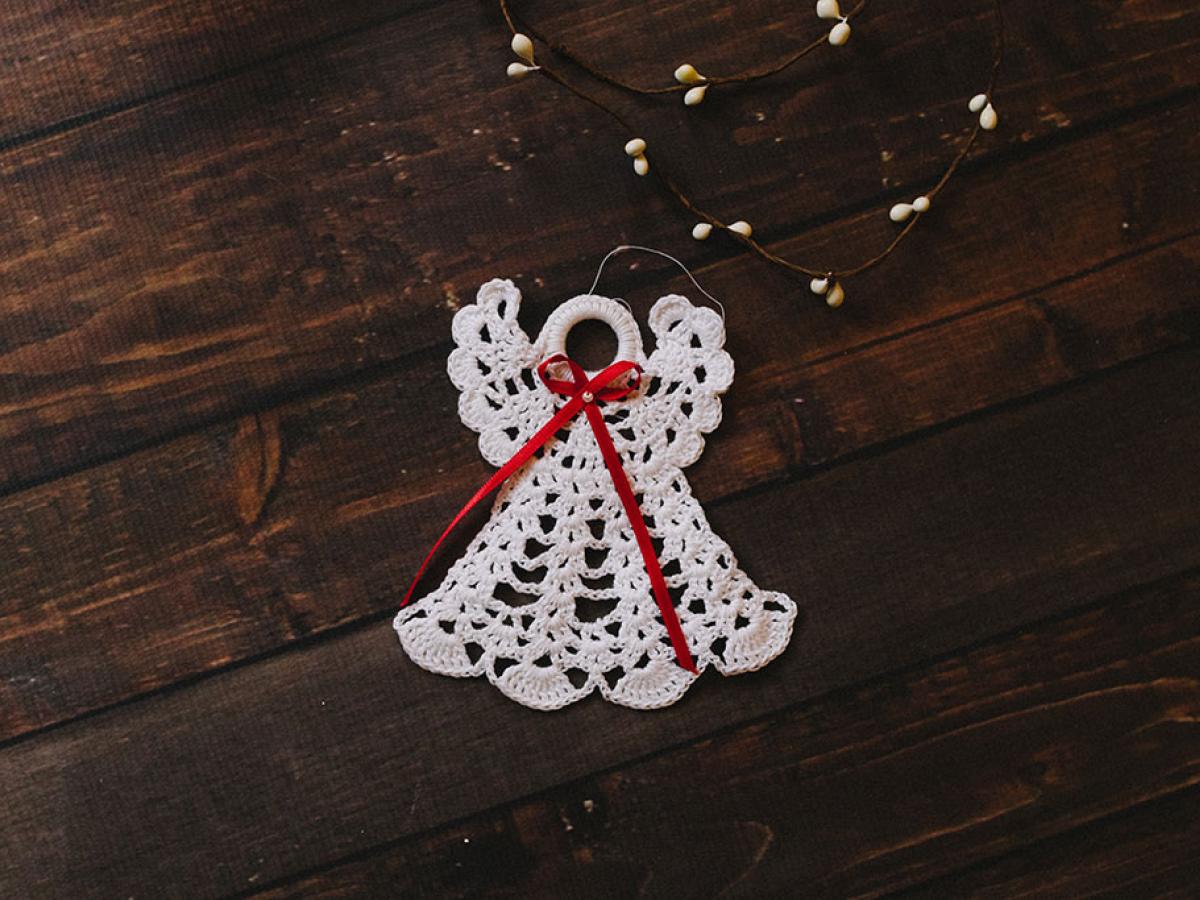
741 227
523 47
978 102
687 74
635 147
839 34
701 231
988 118
695 96
828 9
835 296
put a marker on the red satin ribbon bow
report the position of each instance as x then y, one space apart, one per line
584 393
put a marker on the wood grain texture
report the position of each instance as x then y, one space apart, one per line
208 253
236 233
211 552
1149 851
1010 756
354 746
67 63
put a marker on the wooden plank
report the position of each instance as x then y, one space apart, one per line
1150 851
203 255
1041 733
961 365
66 63
306 757
233 542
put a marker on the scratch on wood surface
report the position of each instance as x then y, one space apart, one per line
643 887
1051 116
382 502
412 809
257 460
150 351
767 838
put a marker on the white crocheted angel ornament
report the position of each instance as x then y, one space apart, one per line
552 599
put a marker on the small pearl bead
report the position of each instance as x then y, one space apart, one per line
517 71
835 296
636 147
588 397
523 47
701 231
900 212
695 96
741 227
828 9
839 34
988 118
978 102
819 285
687 74
641 165
921 204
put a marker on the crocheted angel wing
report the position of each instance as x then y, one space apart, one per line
494 368
685 377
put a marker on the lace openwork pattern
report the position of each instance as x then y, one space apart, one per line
551 600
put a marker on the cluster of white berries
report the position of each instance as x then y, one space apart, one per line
701 230
901 211
982 104
523 47
636 149
839 33
832 290
687 74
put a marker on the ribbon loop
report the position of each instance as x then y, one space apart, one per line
600 387
614 382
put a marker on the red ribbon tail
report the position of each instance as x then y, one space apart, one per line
657 581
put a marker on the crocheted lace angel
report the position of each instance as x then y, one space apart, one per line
551 600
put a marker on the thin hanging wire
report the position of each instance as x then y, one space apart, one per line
621 248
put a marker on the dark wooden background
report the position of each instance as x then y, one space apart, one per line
234 234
